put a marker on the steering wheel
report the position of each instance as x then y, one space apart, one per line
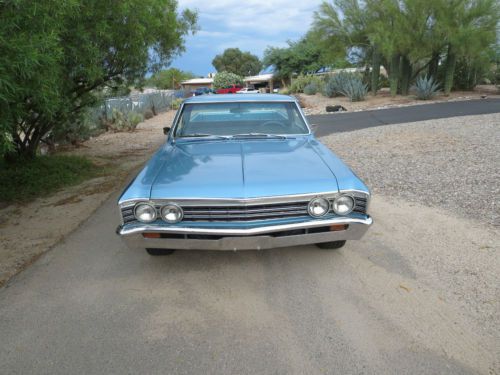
273 123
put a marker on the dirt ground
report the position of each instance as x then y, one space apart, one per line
29 230
316 104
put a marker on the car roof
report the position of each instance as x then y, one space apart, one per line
239 98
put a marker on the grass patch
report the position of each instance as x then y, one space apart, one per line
25 180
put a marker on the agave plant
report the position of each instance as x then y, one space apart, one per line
355 89
426 87
336 83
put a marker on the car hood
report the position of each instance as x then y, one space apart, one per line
241 169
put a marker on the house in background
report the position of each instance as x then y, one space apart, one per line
264 81
197 83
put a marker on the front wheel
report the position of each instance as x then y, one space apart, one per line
159 252
331 245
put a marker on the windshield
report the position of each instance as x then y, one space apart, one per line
240 118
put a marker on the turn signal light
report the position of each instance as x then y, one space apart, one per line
151 235
338 227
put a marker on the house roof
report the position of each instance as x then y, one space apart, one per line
259 78
197 81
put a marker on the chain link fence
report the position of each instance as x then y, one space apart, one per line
156 102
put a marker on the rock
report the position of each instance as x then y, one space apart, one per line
335 108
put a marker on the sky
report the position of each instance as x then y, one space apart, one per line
250 25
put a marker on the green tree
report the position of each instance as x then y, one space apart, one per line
59 58
341 28
233 60
410 36
306 55
467 28
169 78
224 79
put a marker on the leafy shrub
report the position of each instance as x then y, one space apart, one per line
134 119
298 84
426 87
311 88
88 125
148 114
224 79
177 103
469 72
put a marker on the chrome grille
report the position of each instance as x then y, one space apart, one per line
360 205
241 212
245 213
128 214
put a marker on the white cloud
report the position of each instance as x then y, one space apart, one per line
251 25
264 17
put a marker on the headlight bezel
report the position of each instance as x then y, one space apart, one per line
169 206
335 204
316 199
148 204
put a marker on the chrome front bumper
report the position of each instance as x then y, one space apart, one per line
267 237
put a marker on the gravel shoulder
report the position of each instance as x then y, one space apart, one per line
451 167
451 163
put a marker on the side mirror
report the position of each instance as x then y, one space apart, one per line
166 129
313 127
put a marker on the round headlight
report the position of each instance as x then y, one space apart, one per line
343 205
318 207
172 213
145 212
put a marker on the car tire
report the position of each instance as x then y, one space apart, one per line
159 252
331 245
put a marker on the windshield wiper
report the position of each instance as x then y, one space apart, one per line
257 135
196 135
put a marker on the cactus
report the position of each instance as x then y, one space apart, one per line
426 87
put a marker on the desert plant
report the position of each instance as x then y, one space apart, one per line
355 89
133 119
426 87
121 122
336 83
148 114
311 88
176 103
298 84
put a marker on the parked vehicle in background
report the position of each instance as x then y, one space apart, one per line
248 90
231 89
242 172
202 91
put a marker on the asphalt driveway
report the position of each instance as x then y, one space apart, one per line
349 121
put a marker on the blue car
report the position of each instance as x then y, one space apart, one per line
242 172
